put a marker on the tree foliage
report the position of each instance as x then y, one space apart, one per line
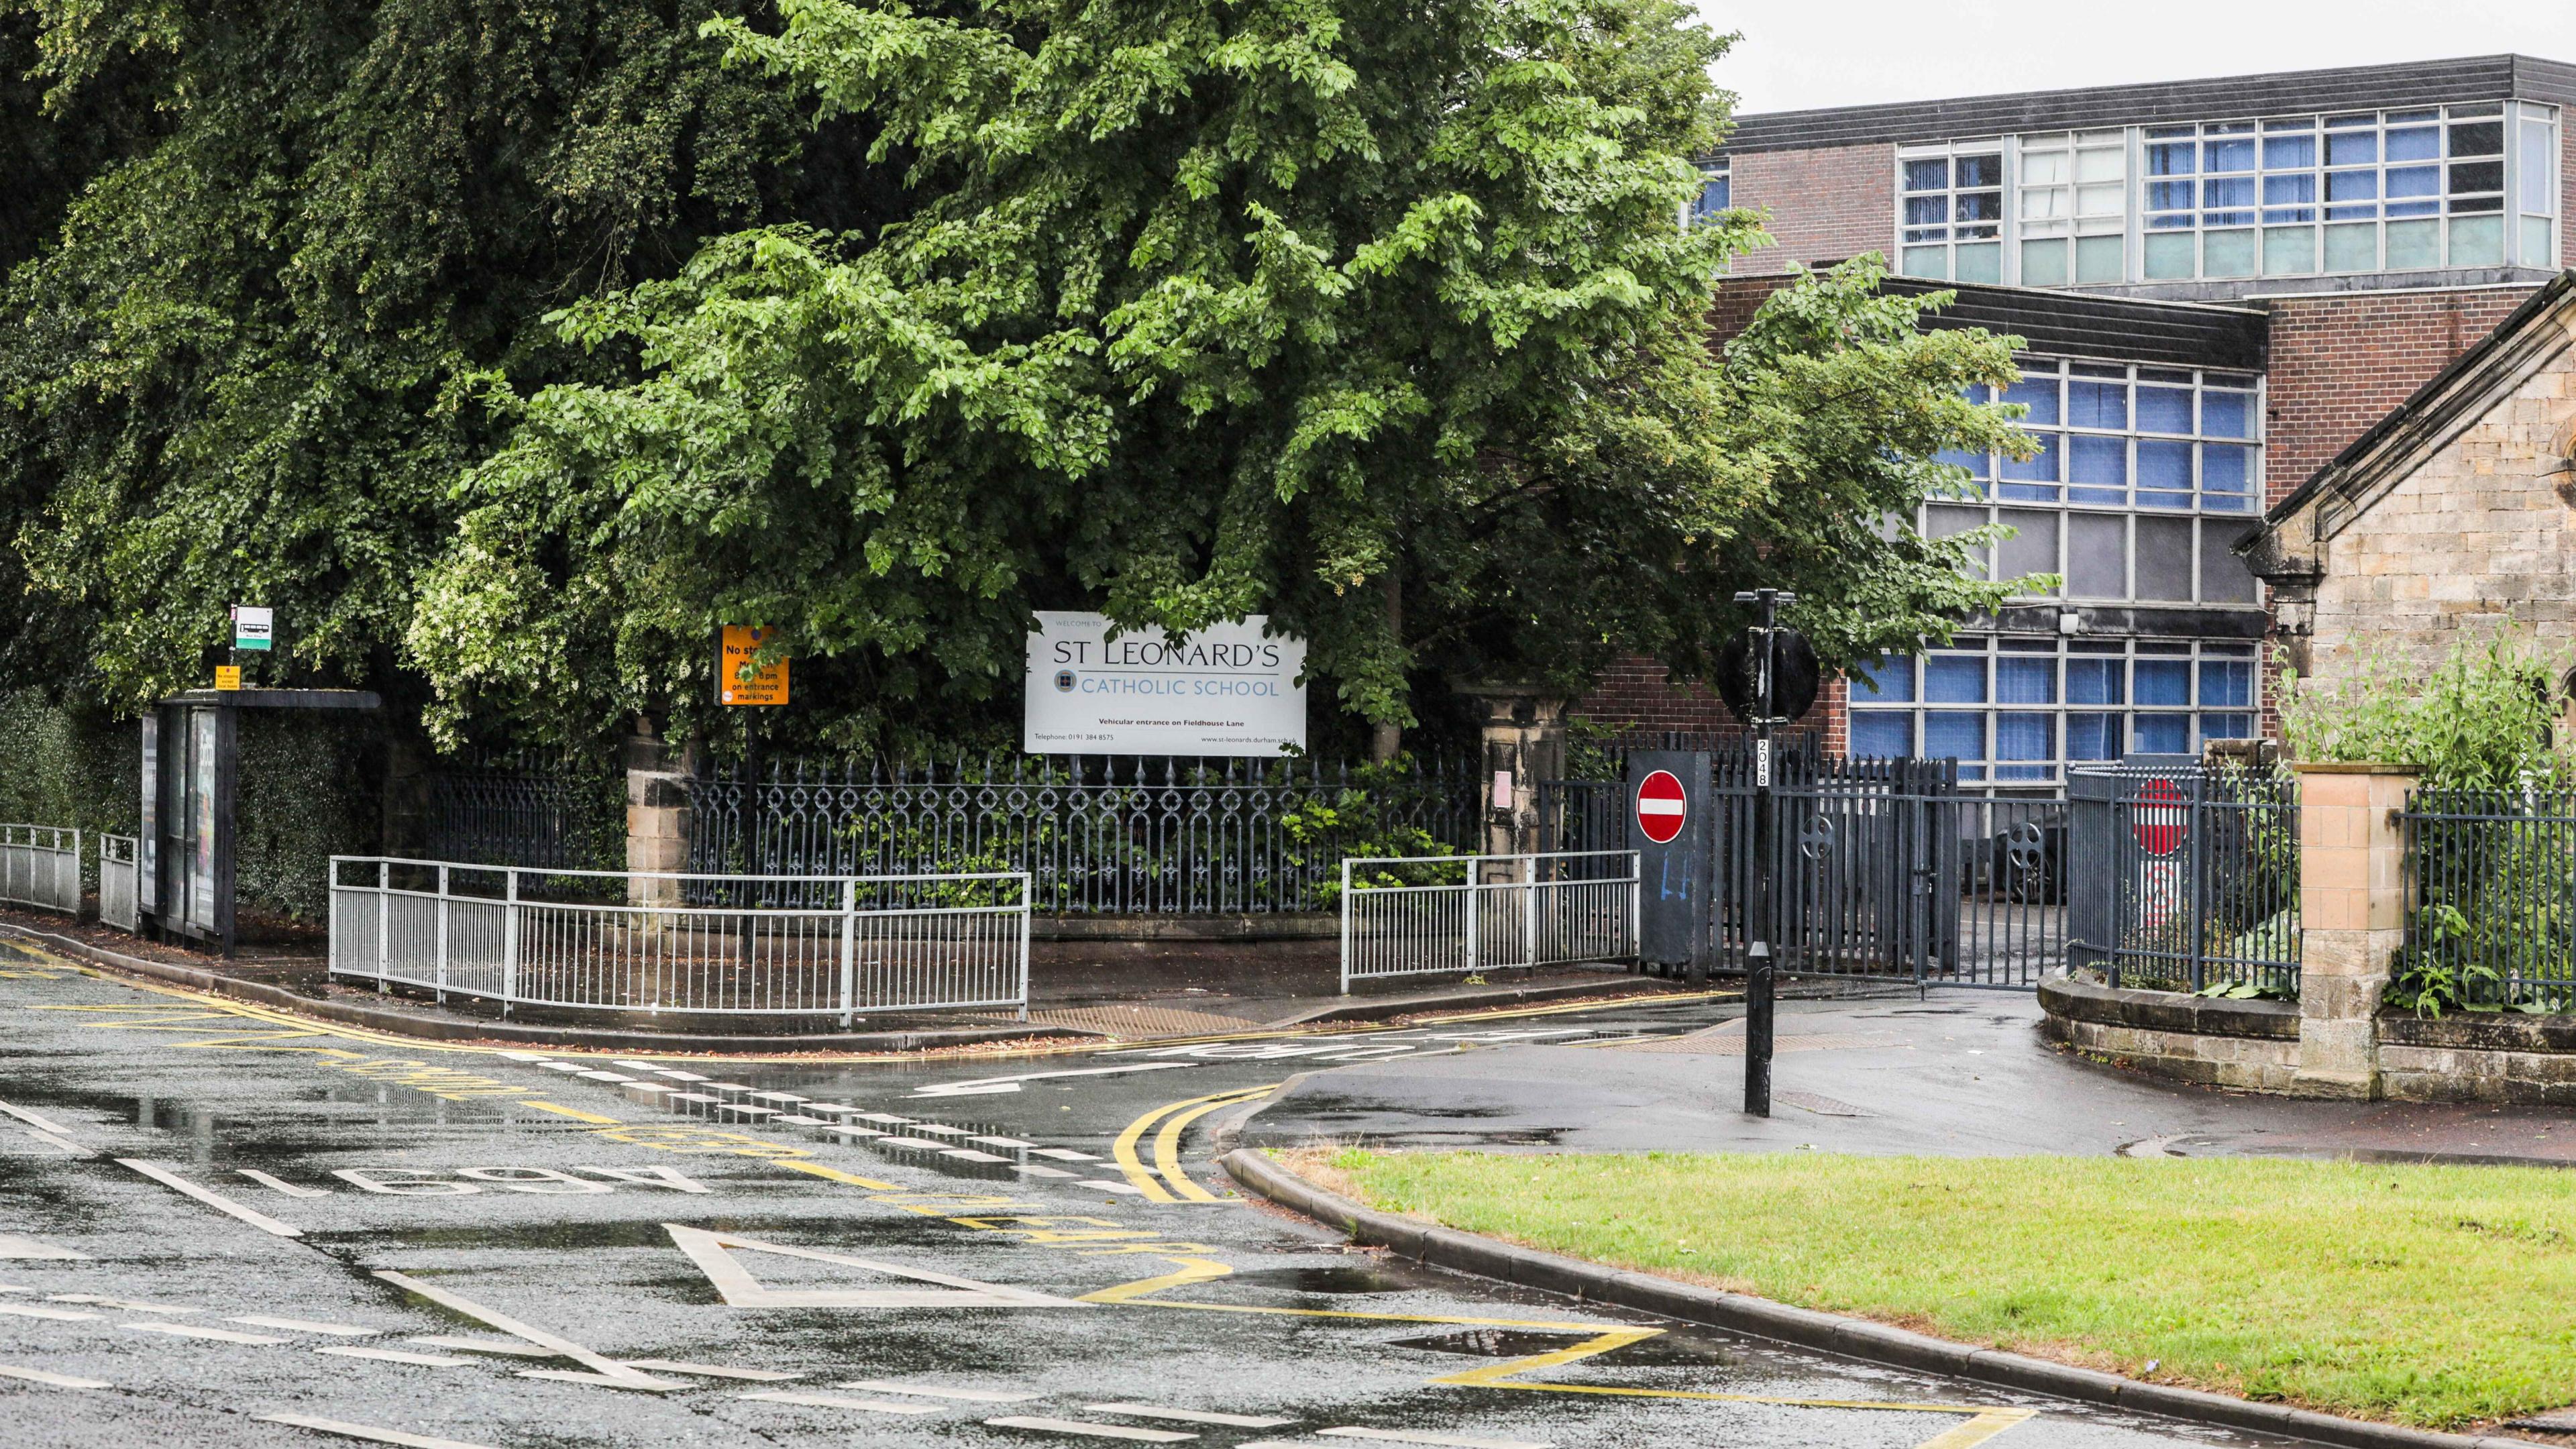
1372 318
509 349
237 371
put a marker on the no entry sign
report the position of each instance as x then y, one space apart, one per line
2157 817
1661 808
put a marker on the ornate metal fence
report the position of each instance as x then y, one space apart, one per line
2186 875
1096 835
40 866
2493 918
524 810
579 939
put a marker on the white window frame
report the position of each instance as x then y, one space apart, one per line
1909 254
2245 720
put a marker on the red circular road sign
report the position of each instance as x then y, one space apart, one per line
1661 807
2157 816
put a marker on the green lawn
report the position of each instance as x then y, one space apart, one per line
2428 1295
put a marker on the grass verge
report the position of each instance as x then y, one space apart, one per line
2436 1296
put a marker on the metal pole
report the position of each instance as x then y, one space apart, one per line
1761 964
510 947
1529 910
849 959
1346 925
384 916
442 935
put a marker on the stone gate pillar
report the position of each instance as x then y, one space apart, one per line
657 810
1524 730
2352 908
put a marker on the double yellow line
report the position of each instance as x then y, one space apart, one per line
1165 1178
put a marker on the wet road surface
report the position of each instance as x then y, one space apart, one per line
219 1226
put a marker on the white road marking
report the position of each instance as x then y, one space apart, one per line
1096 1431
576 1376
29 1310
801 1120
924 1143
210 1197
710 1370
482 1345
368 1432
1031 1169
14 1246
934 1391
563 1066
271 1183
220 1335
735 1284
42 1376
59 1143
304 1325
1066 1154
1189 1416
837 1109
836 1401
569 1349
745 1109
36 1120
969 1154
938 1130
395 1355
676 1075
129 1304
1004 1142
522 1056
987 1086
725 1086
1418 1436
887 1118
639 1066
650 1177
1105 1185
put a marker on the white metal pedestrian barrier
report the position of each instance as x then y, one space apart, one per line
119 861
1412 916
649 942
40 867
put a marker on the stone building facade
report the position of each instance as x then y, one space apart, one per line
2455 512
2221 286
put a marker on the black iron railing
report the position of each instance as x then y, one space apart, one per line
2492 919
536 812
2185 876
1097 834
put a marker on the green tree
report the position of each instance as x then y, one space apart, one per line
1373 318
237 367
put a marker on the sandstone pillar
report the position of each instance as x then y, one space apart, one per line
2352 906
1524 737
657 811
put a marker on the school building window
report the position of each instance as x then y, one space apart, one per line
2010 709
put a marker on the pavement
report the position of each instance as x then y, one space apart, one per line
1957 1073
222 1226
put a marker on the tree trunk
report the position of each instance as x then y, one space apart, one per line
1386 741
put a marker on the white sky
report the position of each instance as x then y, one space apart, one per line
1859 52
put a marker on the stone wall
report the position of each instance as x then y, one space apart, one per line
2249 1045
2476 530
